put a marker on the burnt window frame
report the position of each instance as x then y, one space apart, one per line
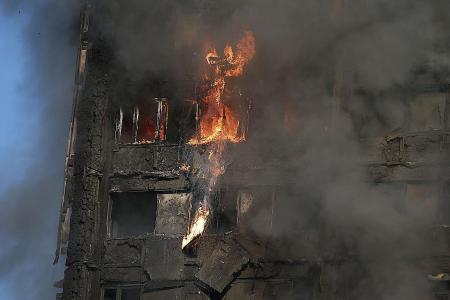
161 123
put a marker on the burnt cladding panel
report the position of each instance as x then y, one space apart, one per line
133 213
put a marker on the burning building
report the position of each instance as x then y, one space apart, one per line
198 187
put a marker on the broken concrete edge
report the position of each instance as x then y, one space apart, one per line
226 262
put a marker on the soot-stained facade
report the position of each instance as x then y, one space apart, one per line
130 197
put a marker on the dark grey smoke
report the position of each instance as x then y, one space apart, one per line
377 45
304 47
29 208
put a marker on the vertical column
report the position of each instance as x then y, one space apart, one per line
81 277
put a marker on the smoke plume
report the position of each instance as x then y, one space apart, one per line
308 54
29 207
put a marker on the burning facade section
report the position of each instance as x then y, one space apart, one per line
218 123
164 200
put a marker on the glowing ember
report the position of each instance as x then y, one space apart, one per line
218 122
185 167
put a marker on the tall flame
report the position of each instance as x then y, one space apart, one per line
218 123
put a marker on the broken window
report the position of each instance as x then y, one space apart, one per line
143 123
232 116
133 213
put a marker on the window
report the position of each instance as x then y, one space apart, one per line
133 213
131 294
122 293
143 123
110 294
224 211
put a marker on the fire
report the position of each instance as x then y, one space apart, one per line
184 167
198 225
218 122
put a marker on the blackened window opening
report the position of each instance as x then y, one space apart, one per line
131 294
224 208
110 294
133 213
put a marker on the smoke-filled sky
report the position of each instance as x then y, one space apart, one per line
10 76
37 51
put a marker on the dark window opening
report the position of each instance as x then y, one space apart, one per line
143 123
131 294
182 125
122 293
110 294
133 213
224 217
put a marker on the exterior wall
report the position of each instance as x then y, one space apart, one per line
250 267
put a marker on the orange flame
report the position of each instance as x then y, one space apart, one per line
198 226
218 122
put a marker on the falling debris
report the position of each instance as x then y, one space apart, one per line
221 268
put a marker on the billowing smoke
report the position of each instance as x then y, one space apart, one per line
29 207
310 55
